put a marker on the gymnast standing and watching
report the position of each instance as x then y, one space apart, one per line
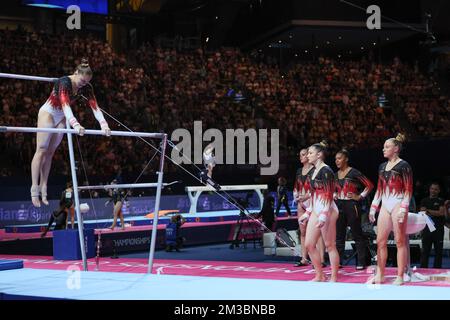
351 187
322 213
118 197
282 196
66 92
302 195
60 215
394 191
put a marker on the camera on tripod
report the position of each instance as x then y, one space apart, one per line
242 204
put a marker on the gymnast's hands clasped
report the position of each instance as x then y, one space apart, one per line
322 219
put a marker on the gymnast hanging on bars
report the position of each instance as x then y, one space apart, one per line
66 92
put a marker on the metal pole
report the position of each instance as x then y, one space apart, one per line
157 202
25 77
123 186
77 200
86 132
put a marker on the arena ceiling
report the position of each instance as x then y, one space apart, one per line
332 36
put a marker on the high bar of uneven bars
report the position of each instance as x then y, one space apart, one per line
24 77
125 186
86 132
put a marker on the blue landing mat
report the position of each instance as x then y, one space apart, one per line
56 284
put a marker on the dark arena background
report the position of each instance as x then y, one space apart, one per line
152 150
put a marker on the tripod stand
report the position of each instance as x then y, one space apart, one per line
238 232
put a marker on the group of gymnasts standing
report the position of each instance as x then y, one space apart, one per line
328 202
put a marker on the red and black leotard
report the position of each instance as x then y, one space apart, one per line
394 186
349 212
354 182
302 186
62 94
62 98
322 192
302 183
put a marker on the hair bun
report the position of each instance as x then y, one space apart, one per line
324 143
84 62
400 138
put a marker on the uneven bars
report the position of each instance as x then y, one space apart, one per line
126 186
24 77
86 132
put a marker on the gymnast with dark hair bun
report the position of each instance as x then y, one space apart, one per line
67 91
351 187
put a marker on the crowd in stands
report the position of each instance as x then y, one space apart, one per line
155 89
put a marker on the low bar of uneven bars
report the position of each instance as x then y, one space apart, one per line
86 132
24 77
123 186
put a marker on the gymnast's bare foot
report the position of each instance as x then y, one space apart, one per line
44 195
319 278
398 281
35 196
377 279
